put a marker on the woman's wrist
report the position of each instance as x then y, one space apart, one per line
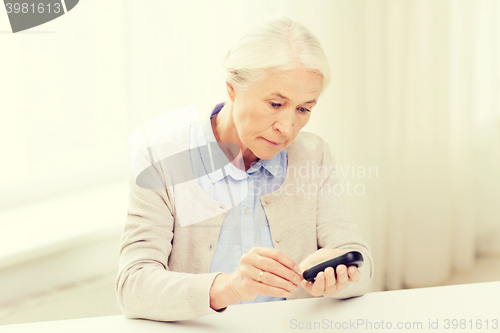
220 294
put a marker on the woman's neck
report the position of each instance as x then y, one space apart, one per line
225 131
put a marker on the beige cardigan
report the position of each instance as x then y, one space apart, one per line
163 266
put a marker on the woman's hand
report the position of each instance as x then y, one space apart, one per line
265 271
325 282
262 270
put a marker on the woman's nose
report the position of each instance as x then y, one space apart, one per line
284 123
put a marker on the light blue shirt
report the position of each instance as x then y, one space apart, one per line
245 225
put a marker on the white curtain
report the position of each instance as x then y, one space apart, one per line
416 93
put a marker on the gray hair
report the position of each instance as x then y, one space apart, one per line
277 44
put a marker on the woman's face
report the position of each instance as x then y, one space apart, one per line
269 114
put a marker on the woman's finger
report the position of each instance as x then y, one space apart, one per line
265 289
268 278
274 267
318 286
266 284
341 277
253 281
353 273
279 267
277 256
330 281
275 275
308 287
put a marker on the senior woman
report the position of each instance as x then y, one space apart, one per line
253 247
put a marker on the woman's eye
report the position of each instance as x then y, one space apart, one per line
304 110
275 105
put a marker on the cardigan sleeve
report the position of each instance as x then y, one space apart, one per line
335 228
144 286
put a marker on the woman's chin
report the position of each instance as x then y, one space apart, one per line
267 154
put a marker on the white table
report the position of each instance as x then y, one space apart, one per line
470 304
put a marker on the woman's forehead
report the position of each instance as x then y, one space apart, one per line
280 96
288 85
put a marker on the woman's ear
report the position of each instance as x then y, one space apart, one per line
230 91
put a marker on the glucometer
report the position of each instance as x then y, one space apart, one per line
353 258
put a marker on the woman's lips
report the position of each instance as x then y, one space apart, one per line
272 143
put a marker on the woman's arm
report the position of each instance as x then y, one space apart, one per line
144 286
